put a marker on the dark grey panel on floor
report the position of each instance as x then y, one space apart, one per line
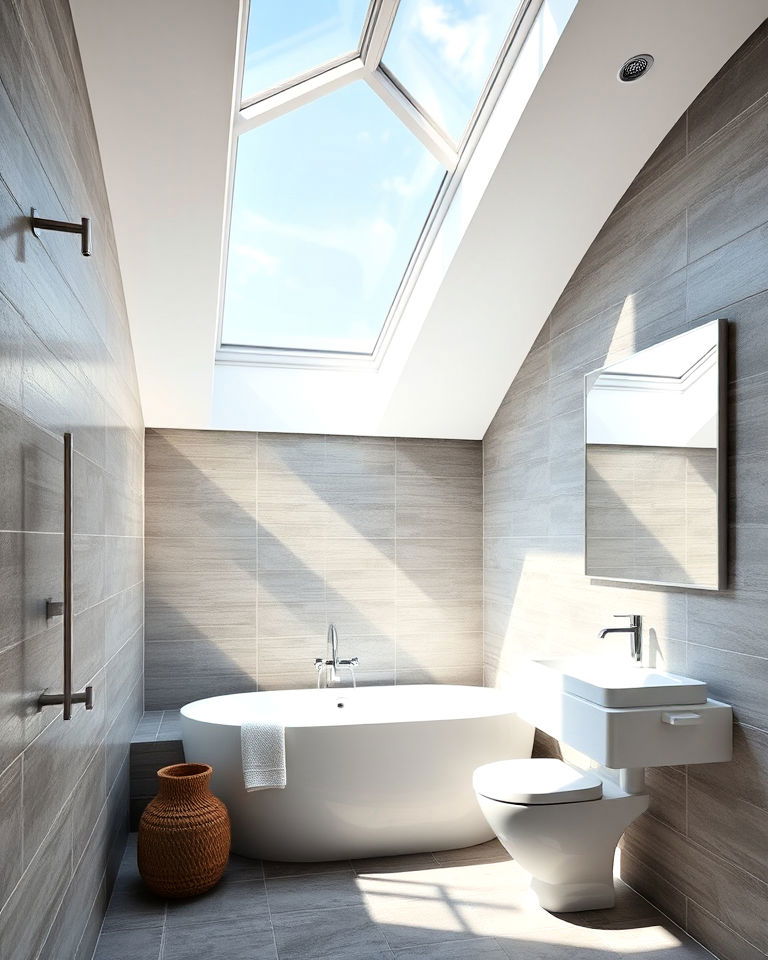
324 891
338 934
225 901
480 949
240 939
142 944
132 905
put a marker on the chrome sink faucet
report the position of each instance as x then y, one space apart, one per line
635 631
328 669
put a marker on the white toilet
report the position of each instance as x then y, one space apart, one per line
562 826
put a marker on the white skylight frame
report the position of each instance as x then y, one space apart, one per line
366 64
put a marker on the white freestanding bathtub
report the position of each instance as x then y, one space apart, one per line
371 771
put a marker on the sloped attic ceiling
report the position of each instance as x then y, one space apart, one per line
161 76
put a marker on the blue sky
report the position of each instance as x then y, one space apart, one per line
330 198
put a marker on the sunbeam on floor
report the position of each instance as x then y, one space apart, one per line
470 904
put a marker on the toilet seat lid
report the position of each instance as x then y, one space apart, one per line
536 781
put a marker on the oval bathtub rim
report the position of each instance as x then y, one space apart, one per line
503 706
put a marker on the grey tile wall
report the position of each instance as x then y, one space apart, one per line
686 244
255 542
65 364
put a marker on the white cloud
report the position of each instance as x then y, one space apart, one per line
369 241
461 41
399 185
258 261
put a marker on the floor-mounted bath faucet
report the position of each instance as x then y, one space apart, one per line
635 633
328 669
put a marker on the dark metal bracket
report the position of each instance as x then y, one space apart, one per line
63 226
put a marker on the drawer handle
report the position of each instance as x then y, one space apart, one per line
680 719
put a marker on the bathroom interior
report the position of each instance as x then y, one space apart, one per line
383 500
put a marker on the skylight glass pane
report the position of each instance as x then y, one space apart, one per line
289 38
442 52
329 202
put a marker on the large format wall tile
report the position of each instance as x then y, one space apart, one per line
66 365
686 244
255 543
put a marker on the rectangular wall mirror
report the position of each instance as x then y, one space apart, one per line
655 464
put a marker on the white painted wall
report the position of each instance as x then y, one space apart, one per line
160 76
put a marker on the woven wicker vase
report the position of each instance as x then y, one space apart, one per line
183 833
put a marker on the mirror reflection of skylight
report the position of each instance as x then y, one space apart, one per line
286 39
329 201
442 52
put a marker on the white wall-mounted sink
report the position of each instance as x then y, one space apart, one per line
567 699
615 684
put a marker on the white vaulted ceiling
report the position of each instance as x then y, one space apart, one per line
161 76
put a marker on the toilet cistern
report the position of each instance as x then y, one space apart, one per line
634 630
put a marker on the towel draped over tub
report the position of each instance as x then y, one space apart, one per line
262 745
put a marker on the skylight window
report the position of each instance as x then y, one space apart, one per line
286 40
315 263
442 53
342 161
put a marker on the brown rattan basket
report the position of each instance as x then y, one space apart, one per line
184 833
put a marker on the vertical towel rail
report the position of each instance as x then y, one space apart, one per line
67 698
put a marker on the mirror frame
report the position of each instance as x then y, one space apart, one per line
722 466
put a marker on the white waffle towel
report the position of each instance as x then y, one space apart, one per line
262 746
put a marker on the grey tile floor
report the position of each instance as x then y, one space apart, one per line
471 904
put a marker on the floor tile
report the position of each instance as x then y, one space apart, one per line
466 907
481 949
411 922
320 892
170 726
243 868
242 939
492 850
129 944
411 861
276 868
346 934
630 911
132 905
447 903
227 901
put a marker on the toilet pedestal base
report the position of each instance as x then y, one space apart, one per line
570 897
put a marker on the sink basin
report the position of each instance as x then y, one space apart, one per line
623 716
615 684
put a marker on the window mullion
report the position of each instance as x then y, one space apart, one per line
418 122
300 93
376 32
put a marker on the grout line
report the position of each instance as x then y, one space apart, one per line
163 932
712 854
269 914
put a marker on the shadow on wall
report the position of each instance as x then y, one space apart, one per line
537 598
246 567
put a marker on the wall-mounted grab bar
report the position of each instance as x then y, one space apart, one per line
63 226
67 698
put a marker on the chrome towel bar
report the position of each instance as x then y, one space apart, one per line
65 609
